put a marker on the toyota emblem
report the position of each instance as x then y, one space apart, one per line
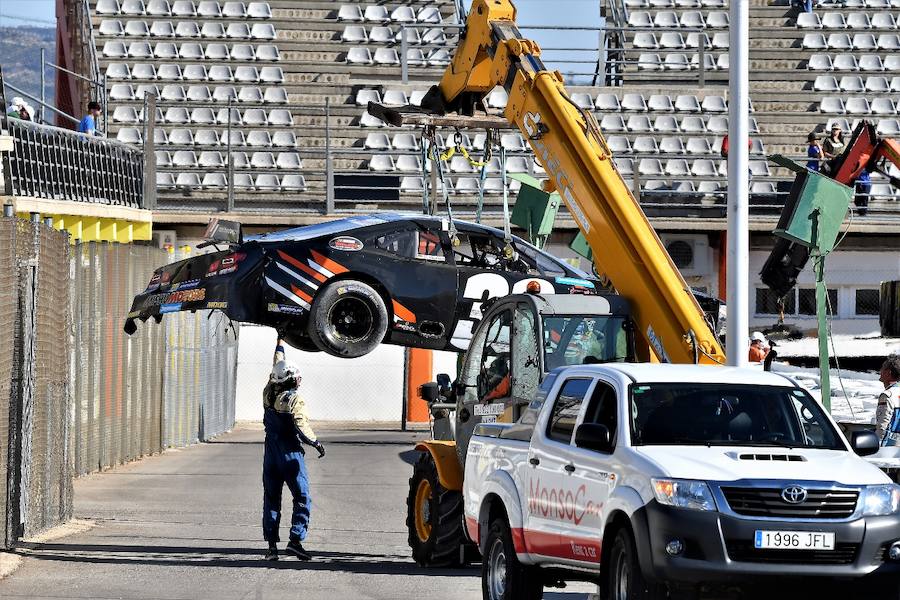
794 494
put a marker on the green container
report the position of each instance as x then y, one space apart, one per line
535 210
581 247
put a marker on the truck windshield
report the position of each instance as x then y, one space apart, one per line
728 415
578 340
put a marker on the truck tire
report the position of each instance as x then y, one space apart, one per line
434 517
347 318
503 577
625 580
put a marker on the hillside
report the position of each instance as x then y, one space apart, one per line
20 58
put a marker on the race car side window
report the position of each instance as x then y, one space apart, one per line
477 251
538 262
400 243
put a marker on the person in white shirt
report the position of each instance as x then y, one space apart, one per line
890 397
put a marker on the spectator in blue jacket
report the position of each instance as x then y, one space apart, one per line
863 189
813 153
88 125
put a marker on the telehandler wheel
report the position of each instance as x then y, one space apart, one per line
503 577
433 517
348 318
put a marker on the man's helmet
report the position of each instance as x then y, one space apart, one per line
284 371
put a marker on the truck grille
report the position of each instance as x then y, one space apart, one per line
743 551
767 502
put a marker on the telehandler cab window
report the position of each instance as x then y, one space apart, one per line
494 377
577 340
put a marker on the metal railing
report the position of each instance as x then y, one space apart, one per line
54 163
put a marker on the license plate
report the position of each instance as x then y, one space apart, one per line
794 540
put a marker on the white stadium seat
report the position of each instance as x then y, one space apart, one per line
216 52
267 53
111 28
234 10
293 182
263 31
159 8
107 7
209 8
259 10
184 8
187 29
350 12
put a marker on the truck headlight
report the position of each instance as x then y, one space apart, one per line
684 494
881 500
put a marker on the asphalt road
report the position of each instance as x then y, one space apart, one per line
186 525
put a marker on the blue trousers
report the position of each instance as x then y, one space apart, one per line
280 468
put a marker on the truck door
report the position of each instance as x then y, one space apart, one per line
593 478
548 481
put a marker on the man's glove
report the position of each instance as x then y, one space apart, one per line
319 448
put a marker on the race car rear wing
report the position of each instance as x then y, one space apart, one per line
222 231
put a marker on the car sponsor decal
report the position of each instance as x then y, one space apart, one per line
495 408
574 281
570 547
177 297
186 285
345 243
561 504
287 293
401 313
286 309
217 305
154 282
225 265
405 326
169 308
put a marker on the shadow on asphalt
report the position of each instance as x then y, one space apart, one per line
369 564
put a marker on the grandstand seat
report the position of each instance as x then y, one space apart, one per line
870 62
185 159
720 40
184 8
364 96
625 166
676 62
618 144
759 168
660 103
125 114
845 62
187 29
662 3
830 20
237 52
415 57
518 164
639 123
404 141
236 137
376 14
263 31
238 31
648 61
140 50
698 145
235 10
198 93
194 72
671 145
203 116
841 122
412 35
107 7
831 104
640 18
144 89
255 117
377 141
883 106
429 15
434 35
245 74
288 161
814 41
677 167
381 34
708 187
687 103
693 124
888 127
612 123
459 164
666 124
129 135
717 20
892 62
637 4
190 51
649 167
212 30
513 142
645 145
809 21
645 40
634 103
693 40
820 62
888 41
293 182
177 114
214 181
671 40
216 52
877 84
858 20
259 10
165 181
709 62
386 56
262 160
717 124
882 190
350 12
284 139
582 100
243 181
604 102
412 185
133 7
852 83
857 105
120 71
181 137
395 98
271 75
652 185
188 180
220 73
408 163
367 120
281 118
714 104
210 9
722 62
763 187
111 27
121 91
158 8
825 83
359 56
162 29
258 138
866 41
693 19
354 34
403 14
883 20
222 117
224 93
163 158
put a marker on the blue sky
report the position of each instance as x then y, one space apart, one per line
39 10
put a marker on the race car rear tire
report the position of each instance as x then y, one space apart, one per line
503 577
434 517
348 319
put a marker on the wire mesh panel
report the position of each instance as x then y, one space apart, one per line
7 339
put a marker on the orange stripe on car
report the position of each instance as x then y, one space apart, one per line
293 261
328 263
403 312
301 293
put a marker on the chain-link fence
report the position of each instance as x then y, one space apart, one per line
76 394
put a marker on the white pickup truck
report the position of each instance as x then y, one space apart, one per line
649 477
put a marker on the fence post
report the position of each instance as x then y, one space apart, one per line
404 47
329 169
43 84
701 56
149 190
230 165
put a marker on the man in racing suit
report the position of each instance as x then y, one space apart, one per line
890 398
287 429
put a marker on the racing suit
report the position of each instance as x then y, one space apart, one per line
287 429
887 402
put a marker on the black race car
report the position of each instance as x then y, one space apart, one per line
345 286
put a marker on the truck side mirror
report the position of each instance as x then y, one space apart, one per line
593 436
429 392
443 381
864 443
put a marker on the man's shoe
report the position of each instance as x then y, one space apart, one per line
297 550
272 552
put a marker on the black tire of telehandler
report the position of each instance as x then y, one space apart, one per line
363 303
441 548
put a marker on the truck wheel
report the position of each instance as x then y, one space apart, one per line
348 318
626 582
433 517
503 577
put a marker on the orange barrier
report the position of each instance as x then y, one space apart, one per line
419 368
